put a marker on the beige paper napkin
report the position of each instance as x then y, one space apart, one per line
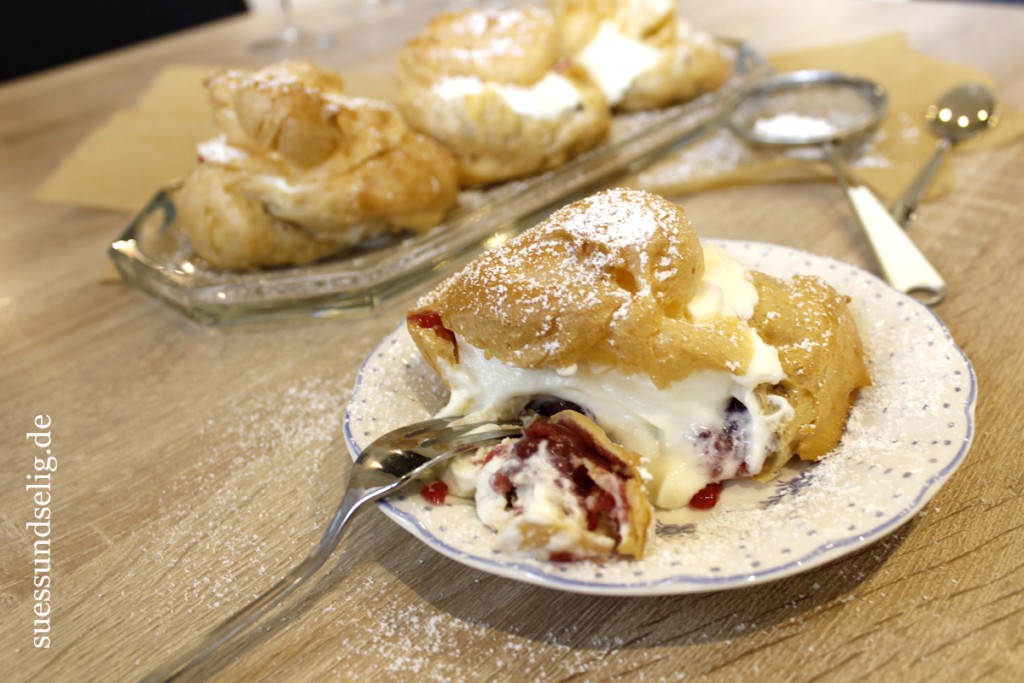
888 163
121 164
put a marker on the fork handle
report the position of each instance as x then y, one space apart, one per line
230 628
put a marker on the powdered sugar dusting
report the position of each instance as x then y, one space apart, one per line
592 259
478 37
793 127
412 638
598 230
615 219
482 22
226 486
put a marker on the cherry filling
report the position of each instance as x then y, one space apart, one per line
707 497
431 320
502 484
551 405
435 492
562 556
725 450
577 457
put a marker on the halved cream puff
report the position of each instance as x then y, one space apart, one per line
612 307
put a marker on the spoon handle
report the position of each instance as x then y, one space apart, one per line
905 207
902 263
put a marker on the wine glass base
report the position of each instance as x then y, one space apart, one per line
291 41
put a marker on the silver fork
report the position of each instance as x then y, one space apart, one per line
386 465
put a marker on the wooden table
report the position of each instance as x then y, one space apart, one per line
195 466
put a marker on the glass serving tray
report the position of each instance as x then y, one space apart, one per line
154 255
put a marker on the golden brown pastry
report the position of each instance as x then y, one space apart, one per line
640 52
820 350
613 308
231 228
492 85
303 170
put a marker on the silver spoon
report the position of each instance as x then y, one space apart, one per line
823 112
387 464
962 112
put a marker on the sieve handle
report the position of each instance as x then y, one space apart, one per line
905 208
902 263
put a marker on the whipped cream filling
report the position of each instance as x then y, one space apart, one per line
543 500
663 425
548 98
614 60
676 429
723 290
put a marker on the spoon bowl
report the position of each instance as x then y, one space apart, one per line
963 112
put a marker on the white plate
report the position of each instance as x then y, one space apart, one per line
906 436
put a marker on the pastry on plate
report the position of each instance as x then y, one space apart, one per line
640 52
562 491
494 87
613 307
302 170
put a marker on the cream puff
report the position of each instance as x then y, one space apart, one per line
493 86
640 52
302 170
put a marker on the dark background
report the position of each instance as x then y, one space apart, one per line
39 34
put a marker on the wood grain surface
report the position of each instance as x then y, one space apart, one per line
195 466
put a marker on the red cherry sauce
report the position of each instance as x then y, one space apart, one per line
569 448
707 497
431 320
435 492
